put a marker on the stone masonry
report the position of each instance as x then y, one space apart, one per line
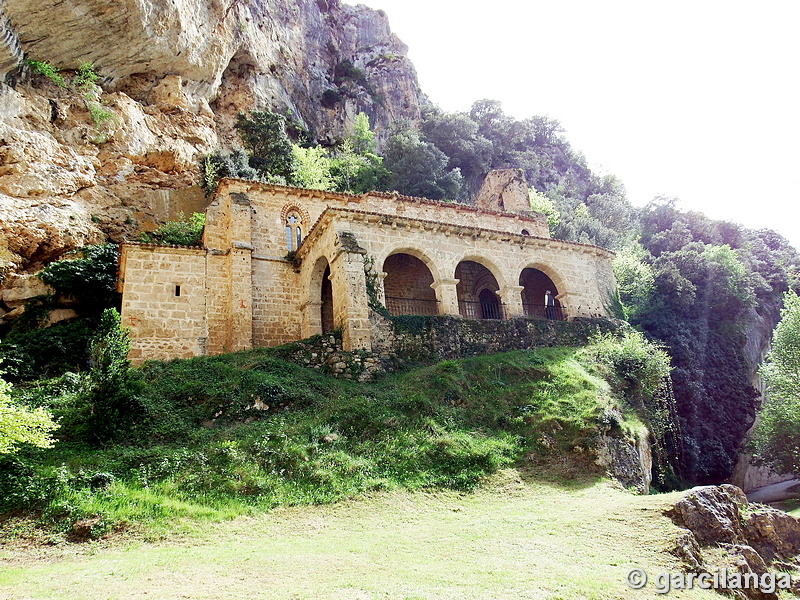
275 260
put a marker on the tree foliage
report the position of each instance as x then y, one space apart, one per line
264 136
419 168
110 396
20 425
89 274
777 431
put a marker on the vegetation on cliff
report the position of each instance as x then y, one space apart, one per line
777 432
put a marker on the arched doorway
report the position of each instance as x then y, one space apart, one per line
326 297
407 286
320 299
489 305
540 296
477 291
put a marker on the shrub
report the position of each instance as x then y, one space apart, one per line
218 165
113 406
48 70
183 232
89 274
41 353
22 425
85 77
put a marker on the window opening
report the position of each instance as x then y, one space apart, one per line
294 231
177 291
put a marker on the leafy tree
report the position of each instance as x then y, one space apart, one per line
419 168
544 205
225 164
264 135
20 425
313 168
635 280
89 274
777 431
456 134
362 137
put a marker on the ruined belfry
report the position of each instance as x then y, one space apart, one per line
278 264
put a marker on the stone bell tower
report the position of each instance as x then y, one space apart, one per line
505 190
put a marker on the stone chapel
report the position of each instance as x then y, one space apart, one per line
278 264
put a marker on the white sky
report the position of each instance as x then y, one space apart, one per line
693 99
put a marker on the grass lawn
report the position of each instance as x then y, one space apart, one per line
514 538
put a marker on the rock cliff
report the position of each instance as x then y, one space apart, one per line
81 165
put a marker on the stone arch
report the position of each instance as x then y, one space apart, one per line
537 280
477 290
408 285
411 251
319 303
294 207
490 265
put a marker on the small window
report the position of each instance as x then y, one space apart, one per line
294 231
177 291
525 232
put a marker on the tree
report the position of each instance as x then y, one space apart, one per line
313 168
264 135
113 405
420 169
21 425
542 204
777 431
88 273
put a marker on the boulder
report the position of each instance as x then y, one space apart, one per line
712 514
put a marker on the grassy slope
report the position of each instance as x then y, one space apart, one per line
515 538
204 452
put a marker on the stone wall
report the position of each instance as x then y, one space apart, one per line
418 339
165 301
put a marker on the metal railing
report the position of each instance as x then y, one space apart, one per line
411 306
480 310
539 311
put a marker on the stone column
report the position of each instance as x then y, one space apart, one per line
447 295
511 297
351 307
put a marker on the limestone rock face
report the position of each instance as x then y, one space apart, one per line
24 288
174 74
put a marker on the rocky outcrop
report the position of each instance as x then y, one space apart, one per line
755 538
78 168
629 461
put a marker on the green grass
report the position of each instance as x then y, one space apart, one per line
240 433
513 538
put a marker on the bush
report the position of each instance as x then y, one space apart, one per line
22 425
220 164
113 405
42 353
48 70
89 274
183 232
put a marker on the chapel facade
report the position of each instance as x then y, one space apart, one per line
278 264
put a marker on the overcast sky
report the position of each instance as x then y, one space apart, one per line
697 100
